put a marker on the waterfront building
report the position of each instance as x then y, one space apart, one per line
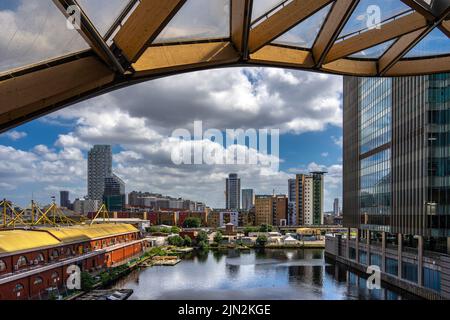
396 179
271 210
308 198
64 201
263 209
233 192
248 199
99 167
226 217
32 262
292 207
280 213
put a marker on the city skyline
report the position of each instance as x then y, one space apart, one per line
310 140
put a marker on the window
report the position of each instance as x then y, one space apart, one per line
432 279
362 257
38 281
55 254
409 271
2 266
55 276
392 266
40 258
19 287
375 259
22 262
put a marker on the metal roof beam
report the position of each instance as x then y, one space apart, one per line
92 36
241 16
367 39
335 22
145 23
281 21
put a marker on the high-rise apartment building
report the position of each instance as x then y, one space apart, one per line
64 199
99 167
248 199
308 203
397 177
233 192
292 208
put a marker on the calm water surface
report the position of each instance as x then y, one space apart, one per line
258 275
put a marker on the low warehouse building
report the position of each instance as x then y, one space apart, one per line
35 260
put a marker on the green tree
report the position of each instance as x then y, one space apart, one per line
218 237
87 281
176 241
261 241
203 245
265 228
202 236
175 230
165 230
187 241
192 222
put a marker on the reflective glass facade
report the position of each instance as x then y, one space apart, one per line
438 100
375 107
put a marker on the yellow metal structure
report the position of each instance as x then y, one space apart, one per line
103 212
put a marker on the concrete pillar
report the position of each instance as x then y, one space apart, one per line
357 245
420 261
383 251
448 245
400 249
348 244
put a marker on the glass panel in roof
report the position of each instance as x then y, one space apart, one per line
261 7
198 19
435 43
103 13
33 31
305 33
367 10
374 52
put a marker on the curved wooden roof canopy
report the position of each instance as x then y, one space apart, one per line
133 57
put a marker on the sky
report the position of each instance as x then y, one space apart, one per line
47 155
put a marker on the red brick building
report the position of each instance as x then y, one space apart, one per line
32 261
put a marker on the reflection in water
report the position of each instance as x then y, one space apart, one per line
257 274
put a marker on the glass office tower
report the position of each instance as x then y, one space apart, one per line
397 175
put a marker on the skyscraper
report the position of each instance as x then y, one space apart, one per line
99 167
64 199
248 200
336 208
396 176
233 192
